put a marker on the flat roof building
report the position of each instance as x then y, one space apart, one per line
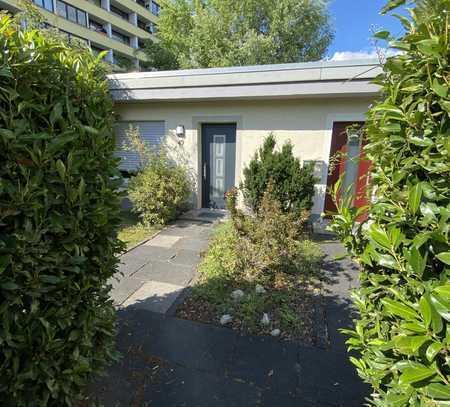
215 119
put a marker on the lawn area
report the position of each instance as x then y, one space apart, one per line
132 231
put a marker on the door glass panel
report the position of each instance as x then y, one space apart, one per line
218 176
351 164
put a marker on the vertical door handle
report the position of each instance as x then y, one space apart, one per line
204 171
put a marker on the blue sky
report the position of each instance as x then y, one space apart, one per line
352 21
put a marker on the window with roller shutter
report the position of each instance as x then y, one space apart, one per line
152 133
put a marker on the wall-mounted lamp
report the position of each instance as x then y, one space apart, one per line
180 130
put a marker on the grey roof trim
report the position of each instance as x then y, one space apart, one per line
286 80
247 92
249 69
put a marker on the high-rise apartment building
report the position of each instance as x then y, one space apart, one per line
118 26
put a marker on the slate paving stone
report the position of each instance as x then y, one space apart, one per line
198 346
186 229
198 244
154 296
166 272
151 253
162 240
123 288
271 398
186 257
182 387
204 365
267 362
129 264
329 377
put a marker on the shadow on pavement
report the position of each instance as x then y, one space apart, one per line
170 362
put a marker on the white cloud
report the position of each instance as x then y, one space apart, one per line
363 54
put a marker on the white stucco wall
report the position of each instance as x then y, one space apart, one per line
306 123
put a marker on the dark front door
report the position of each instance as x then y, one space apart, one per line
218 163
349 163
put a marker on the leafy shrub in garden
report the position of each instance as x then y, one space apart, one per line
264 249
161 189
293 185
59 209
402 334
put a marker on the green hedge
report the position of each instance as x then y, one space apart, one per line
59 209
403 333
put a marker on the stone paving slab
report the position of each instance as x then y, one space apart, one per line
186 257
162 240
156 272
123 288
199 245
166 272
154 296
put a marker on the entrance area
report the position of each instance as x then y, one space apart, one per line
347 160
218 163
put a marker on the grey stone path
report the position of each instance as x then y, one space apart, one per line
170 362
155 273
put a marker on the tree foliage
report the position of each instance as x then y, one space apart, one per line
160 58
59 210
214 33
402 333
292 184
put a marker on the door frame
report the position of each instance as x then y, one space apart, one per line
197 122
330 120
204 186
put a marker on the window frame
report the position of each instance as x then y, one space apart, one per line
155 8
66 7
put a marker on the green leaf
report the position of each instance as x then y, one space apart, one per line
425 310
429 47
443 291
415 196
382 35
416 374
399 309
4 262
9 285
442 306
50 279
392 5
444 257
386 260
421 141
61 168
432 350
379 236
417 261
56 113
397 400
440 90
438 391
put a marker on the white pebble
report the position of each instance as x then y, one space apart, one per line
237 295
276 332
225 319
265 320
